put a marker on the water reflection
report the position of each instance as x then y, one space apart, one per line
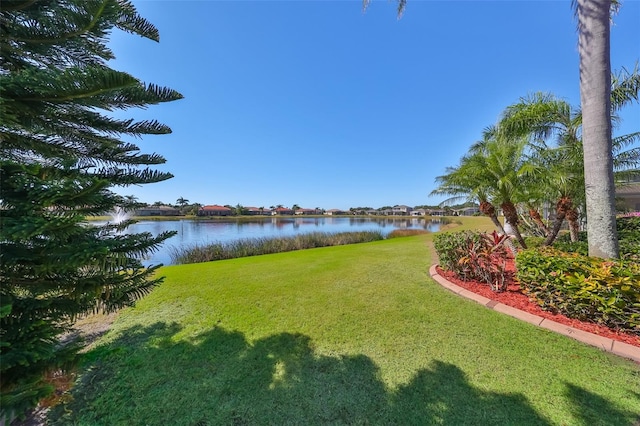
191 232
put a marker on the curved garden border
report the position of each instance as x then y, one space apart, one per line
606 344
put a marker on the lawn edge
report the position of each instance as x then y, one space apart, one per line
604 343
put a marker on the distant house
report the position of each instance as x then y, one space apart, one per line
419 212
630 194
157 211
215 210
334 212
401 210
468 211
437 213
301 212
255 211
282 211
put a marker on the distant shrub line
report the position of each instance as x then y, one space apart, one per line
259 246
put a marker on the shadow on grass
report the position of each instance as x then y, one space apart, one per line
146 376
591 409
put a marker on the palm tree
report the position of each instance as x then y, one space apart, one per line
541 117
544 117
463 186
492 173
595 95
182 201
501 166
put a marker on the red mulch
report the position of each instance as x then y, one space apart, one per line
514 297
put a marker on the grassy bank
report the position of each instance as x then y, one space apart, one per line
259 246
355 334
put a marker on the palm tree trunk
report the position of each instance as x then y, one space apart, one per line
574 225
537 219
488 210
511 217
595 93
563 205
557 224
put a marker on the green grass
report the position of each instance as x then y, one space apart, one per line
258 246
355 334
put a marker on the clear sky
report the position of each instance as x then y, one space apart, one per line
318 104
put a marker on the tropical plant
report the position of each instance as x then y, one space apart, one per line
542 117
493 173
474 257
460 184
545 118
59 157
586 288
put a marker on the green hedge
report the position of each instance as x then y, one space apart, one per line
451 246
581 287
628 237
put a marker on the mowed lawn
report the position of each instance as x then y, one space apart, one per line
354 334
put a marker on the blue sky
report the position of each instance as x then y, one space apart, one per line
318 104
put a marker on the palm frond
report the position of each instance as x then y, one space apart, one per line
625 86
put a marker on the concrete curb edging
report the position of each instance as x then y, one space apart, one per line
609 345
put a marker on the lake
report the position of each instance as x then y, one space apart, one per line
200 232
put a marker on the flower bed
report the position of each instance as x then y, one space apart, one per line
513 297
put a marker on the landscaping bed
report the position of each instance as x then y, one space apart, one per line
514 297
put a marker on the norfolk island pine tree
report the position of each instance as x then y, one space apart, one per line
60 154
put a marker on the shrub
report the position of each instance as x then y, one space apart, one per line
533 242
628 228
406 233
629 237
471 256
581 287
451 246
579 247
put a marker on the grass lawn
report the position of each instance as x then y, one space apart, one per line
355 334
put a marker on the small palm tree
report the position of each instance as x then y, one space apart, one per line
463 185
544 119
182 201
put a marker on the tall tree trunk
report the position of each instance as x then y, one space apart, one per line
595 94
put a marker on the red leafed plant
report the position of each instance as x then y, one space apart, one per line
486 260
475 257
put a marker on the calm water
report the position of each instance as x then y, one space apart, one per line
192 232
